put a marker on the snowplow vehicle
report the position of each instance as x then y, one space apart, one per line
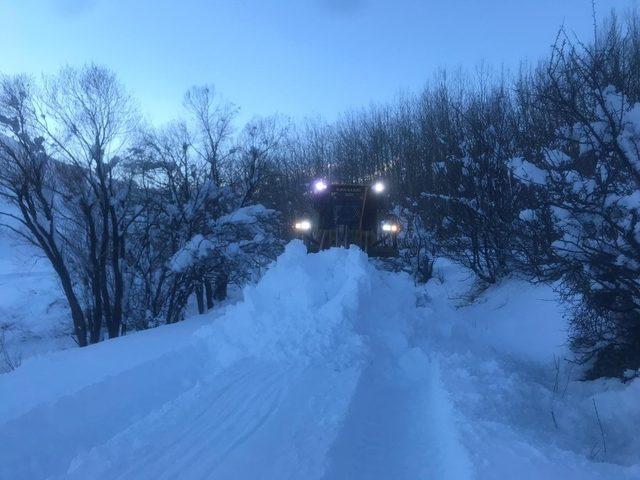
349 214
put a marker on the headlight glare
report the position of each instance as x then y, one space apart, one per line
378 187
320 186
302 225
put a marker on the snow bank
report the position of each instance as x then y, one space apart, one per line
328 368
522 408
302 309
302 312
512 318
519 319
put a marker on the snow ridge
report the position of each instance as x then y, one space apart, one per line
316 355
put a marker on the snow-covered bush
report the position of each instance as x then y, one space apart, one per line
200 228
417 244
116 208
587 175
473 202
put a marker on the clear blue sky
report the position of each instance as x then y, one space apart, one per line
295 57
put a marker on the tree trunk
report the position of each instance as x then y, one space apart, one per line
79 321
117 254
220 293
208 289
95 326
200 298
113 330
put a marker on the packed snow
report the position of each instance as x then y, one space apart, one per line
332 368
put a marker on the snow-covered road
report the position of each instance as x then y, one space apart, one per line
327 370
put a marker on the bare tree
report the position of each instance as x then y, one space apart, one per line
62 149
212 121
28 181
255 155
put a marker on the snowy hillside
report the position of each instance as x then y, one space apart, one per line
328 368
33 310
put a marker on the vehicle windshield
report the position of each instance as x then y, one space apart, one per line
347 213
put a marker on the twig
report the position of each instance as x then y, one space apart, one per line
566 385
595 22
11 363
604 443
556 363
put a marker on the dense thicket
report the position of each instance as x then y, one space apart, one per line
134 220
536 173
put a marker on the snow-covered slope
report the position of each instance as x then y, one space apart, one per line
34 316
522 411
329 368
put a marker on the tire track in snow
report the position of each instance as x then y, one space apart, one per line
217 414
252 420
399 425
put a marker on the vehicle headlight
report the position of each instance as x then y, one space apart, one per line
390 227
302 225
320 186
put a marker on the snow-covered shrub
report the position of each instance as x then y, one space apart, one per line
417 244
116 208
201 227
473 202
587 174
